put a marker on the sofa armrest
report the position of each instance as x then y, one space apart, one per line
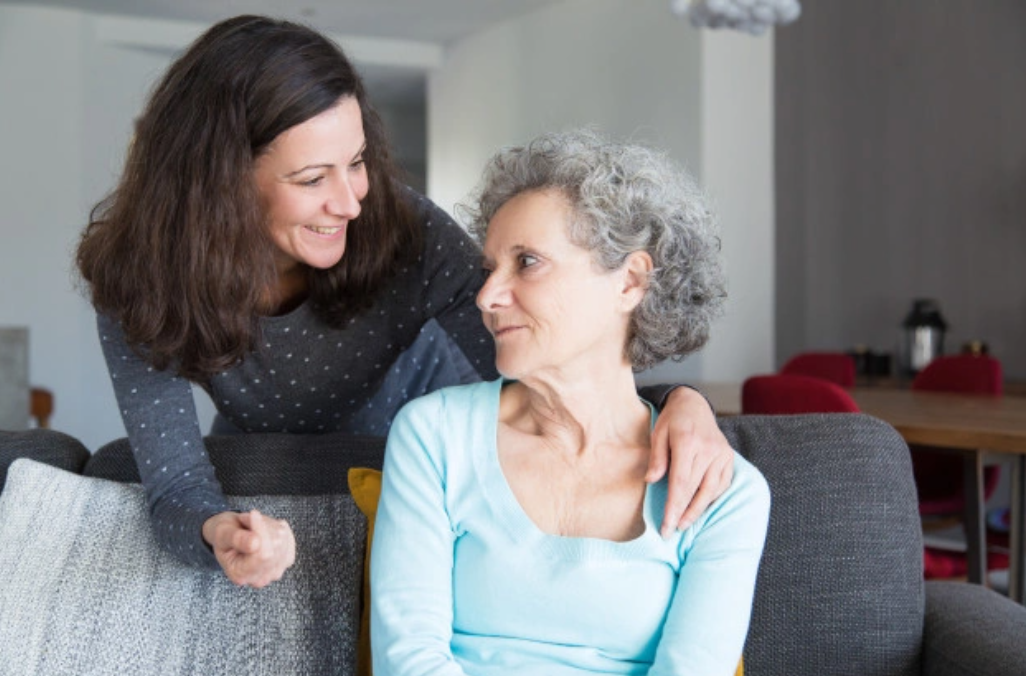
970 630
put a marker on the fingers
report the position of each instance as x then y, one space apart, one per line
715 481
659 459
246 539
260 549
685 476
249 538
219 530
701 461
673 450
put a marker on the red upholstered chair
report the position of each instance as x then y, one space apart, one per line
836 367
788 394
965 373
940 477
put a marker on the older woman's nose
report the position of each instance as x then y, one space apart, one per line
494 293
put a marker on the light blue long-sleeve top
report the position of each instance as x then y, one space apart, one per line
463 582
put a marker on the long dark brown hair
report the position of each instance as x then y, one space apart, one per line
179 252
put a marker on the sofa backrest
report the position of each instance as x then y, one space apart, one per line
840 587
263 464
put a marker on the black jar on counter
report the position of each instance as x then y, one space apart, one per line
922 336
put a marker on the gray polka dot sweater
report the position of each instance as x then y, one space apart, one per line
423 332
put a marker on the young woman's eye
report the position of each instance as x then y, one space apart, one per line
311 182
357 164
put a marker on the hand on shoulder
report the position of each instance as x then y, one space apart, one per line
688 444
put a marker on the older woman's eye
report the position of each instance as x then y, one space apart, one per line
527 260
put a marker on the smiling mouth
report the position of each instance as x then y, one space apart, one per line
326 231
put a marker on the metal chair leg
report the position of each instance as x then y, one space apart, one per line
1017 530
975 529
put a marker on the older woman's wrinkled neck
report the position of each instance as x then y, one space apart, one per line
581 415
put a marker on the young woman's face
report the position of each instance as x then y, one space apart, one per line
546 303
312 178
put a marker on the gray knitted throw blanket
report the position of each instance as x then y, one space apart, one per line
85 590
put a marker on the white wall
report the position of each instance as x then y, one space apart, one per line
628 66
71 84
737 169
42 193
64 124
633 70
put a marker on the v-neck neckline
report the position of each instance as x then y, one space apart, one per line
500 496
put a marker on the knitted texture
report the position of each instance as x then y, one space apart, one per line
86 590
83 589
263 464
840 587
972 631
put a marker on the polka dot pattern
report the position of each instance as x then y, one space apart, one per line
423 332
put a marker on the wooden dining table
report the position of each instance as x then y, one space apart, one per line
973 426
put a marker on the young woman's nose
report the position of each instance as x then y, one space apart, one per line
344 203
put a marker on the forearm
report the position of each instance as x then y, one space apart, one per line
659 394
160 420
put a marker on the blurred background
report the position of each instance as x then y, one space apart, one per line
869 154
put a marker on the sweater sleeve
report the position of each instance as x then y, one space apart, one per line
160 419
657 394
707 623
411 587
452 269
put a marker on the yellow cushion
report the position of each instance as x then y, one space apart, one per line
365 487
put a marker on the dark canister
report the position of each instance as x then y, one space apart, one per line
922 336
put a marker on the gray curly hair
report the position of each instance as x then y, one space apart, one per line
624 198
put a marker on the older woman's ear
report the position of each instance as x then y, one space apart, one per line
636 270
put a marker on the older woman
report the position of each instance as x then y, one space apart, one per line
516 533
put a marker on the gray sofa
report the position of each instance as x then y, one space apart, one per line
840 590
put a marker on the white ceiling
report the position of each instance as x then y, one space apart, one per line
431 21
436 21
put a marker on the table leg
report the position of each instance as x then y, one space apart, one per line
1017 531
975 533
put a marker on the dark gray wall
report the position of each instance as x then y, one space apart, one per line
901 173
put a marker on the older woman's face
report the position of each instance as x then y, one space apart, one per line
548 306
